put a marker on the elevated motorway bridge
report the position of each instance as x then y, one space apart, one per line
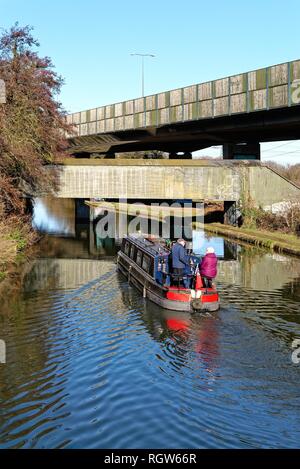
252 107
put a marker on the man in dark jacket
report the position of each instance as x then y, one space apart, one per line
180 262
208 267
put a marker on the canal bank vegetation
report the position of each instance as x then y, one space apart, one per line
32 136
16 236
286 222
279 231
280 242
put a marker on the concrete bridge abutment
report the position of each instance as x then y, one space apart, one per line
206 180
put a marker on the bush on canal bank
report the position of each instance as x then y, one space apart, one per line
33 131
16 236
32 122
279 231
286 220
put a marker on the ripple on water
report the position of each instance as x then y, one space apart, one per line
97 366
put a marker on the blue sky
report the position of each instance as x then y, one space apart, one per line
90 44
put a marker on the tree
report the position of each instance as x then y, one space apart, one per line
33 123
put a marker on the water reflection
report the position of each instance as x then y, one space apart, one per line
201 241
55 216
66 274
189 333
249 278
91 364
71 218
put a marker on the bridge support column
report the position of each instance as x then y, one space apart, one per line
241 151
82 211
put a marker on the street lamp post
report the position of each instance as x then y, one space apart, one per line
143 72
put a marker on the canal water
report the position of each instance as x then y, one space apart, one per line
91 364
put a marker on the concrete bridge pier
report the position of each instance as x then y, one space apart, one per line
82 211
241 151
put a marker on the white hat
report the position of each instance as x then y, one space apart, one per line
210 250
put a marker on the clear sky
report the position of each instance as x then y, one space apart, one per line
90 43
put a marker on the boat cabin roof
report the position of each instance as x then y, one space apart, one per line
152 246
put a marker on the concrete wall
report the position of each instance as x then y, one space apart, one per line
266 187
144 181
177 179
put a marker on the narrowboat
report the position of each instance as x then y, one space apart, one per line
146 262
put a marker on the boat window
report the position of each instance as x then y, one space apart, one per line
127 248
139 257
151 270
146 263
132 252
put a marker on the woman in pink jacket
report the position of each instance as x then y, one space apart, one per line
208 267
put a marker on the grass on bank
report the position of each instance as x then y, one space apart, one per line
15 236
278 241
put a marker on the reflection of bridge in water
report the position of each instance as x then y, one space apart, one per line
80 232
76 247
265 272
64 273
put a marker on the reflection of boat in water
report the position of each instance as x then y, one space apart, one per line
187 333
146 263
